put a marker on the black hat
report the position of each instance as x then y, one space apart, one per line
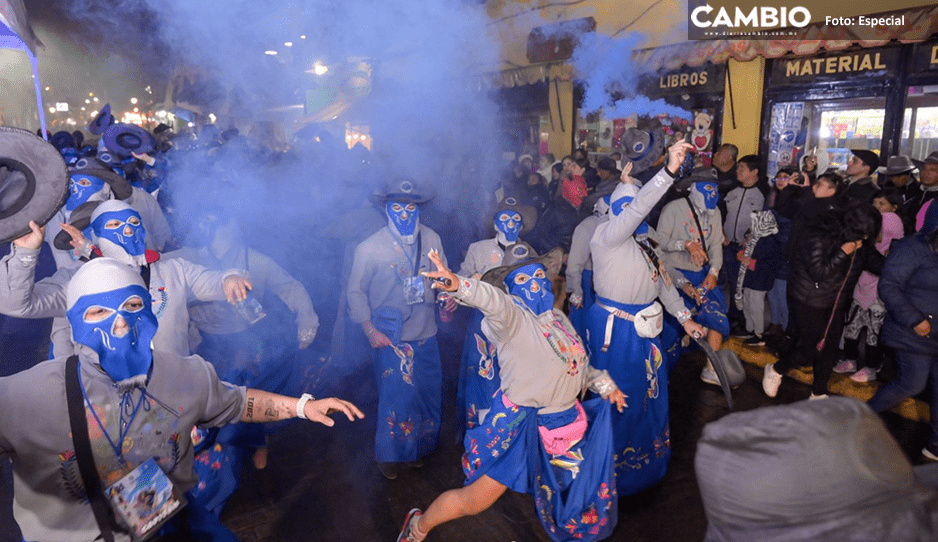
79 219
642 147
403 190
520 254
127 139
930 159
102 121
33 181
867 157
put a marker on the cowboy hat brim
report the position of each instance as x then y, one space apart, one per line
128 139
80 219
552 261
35 182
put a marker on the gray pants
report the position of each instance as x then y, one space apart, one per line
754 310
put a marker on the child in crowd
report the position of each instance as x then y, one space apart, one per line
758 265
867 310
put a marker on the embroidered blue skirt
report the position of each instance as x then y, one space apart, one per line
409 400
580 317
711 313
574 492
641 434
478 372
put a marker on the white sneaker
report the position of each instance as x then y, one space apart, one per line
845 366
864 375
709 374
771 380
813 397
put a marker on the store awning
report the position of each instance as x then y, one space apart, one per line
920 23
527 75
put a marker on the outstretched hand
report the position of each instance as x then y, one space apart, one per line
319 410
443 278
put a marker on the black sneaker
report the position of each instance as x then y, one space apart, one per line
754 340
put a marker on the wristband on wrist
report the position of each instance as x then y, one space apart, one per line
301 405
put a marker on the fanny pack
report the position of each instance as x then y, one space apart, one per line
648 321
559 440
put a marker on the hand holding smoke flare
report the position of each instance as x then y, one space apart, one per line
443 278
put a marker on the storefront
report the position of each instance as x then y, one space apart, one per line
833 102
697 90
919 129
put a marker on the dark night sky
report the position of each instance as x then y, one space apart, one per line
113 57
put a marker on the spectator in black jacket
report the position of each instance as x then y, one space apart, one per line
825 266
922 191
909 288
860 184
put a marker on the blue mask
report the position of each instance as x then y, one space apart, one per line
403 216
510 224
81 188
620 204
123 228
123 351
530 283
710 193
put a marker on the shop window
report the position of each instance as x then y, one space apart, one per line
832 126
920 122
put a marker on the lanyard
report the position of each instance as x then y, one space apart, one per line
125 425
415 257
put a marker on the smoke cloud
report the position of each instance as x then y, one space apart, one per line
611 80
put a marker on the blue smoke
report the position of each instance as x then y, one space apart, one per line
611 80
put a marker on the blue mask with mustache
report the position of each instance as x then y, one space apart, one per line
530 283
509 223
403 218
123 347
710 193
81 188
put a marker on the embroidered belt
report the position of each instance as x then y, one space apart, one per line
613 314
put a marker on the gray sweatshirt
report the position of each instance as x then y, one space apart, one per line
533 373
621 270
380 267
676 226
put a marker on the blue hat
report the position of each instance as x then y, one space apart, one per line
102 121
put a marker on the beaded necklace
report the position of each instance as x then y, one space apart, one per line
568 349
